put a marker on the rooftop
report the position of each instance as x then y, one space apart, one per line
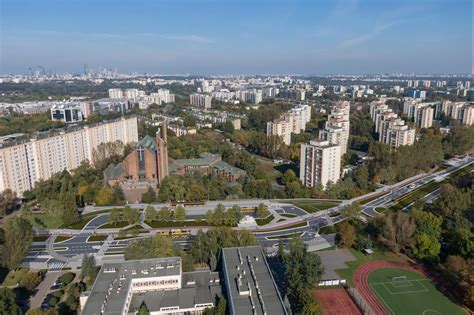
250 286
113 283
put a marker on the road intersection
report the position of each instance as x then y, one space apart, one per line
306 225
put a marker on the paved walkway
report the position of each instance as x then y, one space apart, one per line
44 288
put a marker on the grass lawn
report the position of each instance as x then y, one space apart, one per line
348 273
281 220
97 238
113 226
300 224
312 205
61 238
45 220
175 224
268 168
14 276
40 238
364 201
416 194
285 236
265 221
380 209
415 294
330 229
288 215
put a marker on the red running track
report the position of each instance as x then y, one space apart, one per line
336 302
362 285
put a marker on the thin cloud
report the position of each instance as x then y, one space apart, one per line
361 39
184 38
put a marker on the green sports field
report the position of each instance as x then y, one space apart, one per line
407 292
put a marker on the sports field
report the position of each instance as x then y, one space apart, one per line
408 292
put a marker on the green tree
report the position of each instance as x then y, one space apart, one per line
116 216
105 196
17 239
179 214
149 196
303 271
30 280
150 213
346 234
7 201
143 310
351 211
130 215
164 214
262 211
153 247
427 234
8 305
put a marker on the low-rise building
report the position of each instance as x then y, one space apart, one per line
250 287
159 283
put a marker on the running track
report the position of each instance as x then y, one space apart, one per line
362 285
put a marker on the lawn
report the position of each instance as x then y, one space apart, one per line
265 221
61 238
414 294
285 236
416 194
97 238
175 224
14 276
114 225
40 238
348 273
330 229
367 200
288 215
312 205
45 221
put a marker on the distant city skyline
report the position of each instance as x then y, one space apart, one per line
238 37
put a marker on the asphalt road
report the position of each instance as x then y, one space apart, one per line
78 244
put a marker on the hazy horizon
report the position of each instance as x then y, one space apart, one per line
208 37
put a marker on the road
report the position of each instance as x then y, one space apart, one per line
58 254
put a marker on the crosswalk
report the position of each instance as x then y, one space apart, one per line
55 266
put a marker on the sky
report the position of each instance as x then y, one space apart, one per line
238 36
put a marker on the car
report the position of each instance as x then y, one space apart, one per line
45 306
56 286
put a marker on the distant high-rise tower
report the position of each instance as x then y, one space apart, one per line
162 152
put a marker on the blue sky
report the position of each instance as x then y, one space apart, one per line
238 36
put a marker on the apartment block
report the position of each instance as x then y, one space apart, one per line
320 163
337 126
22 164
424 117
281 128
200 100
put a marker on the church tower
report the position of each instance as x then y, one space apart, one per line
162 152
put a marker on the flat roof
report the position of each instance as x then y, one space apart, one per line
114 280
198 287
251 288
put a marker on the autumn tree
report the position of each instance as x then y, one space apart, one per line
346 234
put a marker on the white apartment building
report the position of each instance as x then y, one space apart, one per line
460 111
399 135
131 93
115 93
424 117
281 128
320 163
23 164
201 100
337 126
390 128
67 113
